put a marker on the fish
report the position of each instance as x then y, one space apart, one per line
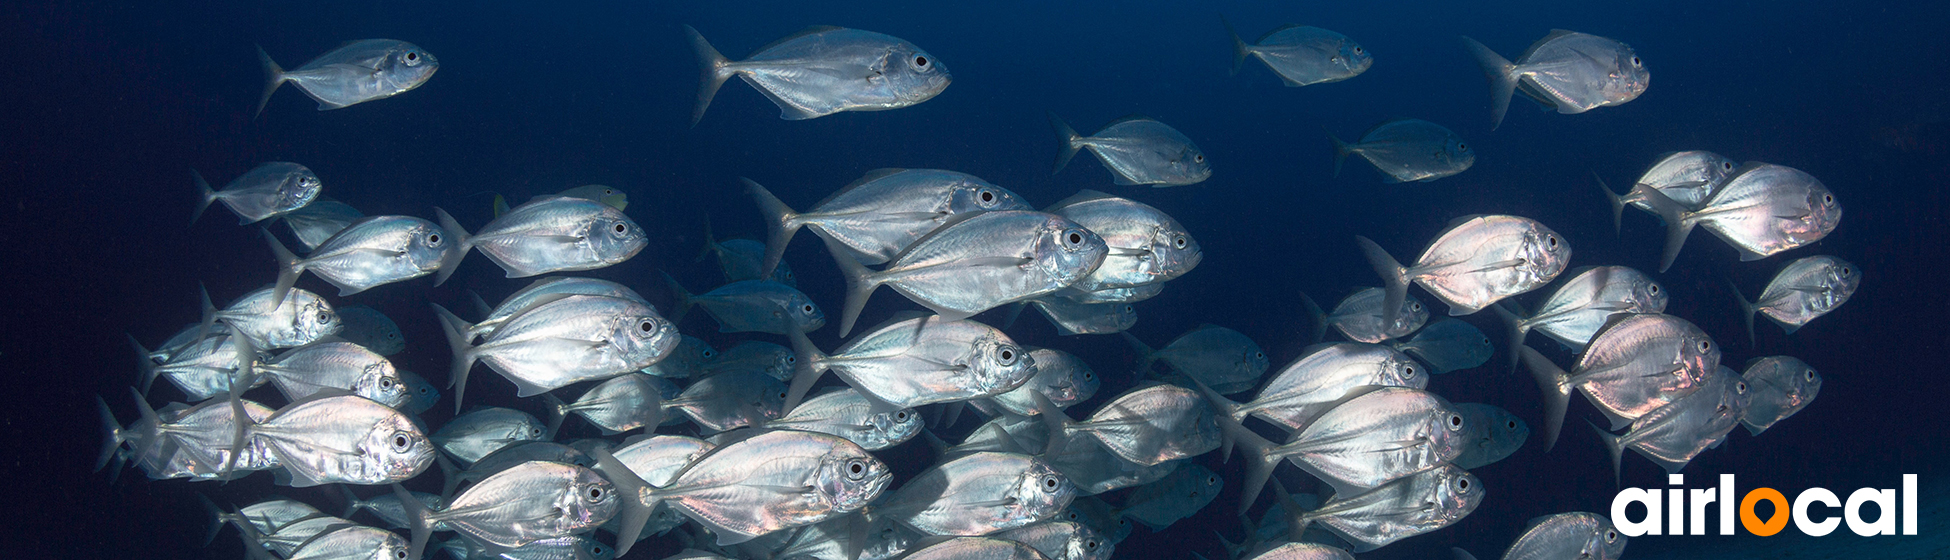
1323 376
388 508
354 73
1099 516
1302 551
1061 377
1114 295
1781 386
1302 55
685 361
770 481
1220 357
972 548
1408 150
333 437
657 458
752 306
822 70
1490 434
1138 150
880 214
1093 468
882 538
264 517
270 190
755 356
910 362
1072 318
1409 506
1477 261
1564 535
1146 246
1805 289
529 502
197 442
733 400
623 403
569 340
1585 303
977 264
1449 345
421 395
743 259
270 323
1688 178
1763 209
373 251
846 414
1674 434
978 494
1179 495
335 365
202 370
1358 316
1147 426
547 290
318 221
472 436
559 548
369 328
515 454
1568 71
1062 540
608 195
1635 365
342 541
1370 438
553 234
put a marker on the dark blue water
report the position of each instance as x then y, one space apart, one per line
108 106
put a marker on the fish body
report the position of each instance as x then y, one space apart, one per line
978 494
755 306
344 366
658 458
1062 540
768 482
1145 245
572 339
369 328
623 403
548 290
846 414
1179 495
1408 150
302 318
980 263
1568 71
1449 345
267 191
319 221
1406 507
1324 376
823 70
472 436
1568 535
974 548
1303 55
1147 426
1586 302
553 234
371 251
529 502
923 360
1138 150
1781 386
1490 434
880 214
685 361
1359 318
343 438
731 400
1072 318
1635 365
1674 434
1223 358
1113 295
1763 209
1689 178
1476 262
754 356
1060 377
354 73
1803 290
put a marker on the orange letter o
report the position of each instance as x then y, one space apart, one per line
1774 524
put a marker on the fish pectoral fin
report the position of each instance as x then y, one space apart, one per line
1502 264
1129 252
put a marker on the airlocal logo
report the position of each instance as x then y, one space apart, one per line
1673 504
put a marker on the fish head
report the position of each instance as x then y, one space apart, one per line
313 318
395 449
1173 251
1628 77
421 394
912 75
1841 278
1699 357
1067 252
1458 492
849 477
428 244
1084 382
1252 361
1613 542
890 428
1400 370
382 384
1447 430
1040 491
1188 166
1824 212
999 365
975 195
1354 58
406 67
1803 383
613 237
1545 254
298 189
1648 296
587 501
804 313
1457 153
1201 434
1409 319
643 337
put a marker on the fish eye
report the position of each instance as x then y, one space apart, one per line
1828 200
1129 309
1845 272
1462 485
791 359
412 56
1455 422
986 195
400 554
806 308
1705 346
1075 238
1810 375
596 549
620 229
1178 241
1462 147
646 325
1636 62
1611 535
856 469
1089 376
595 493
1408 371
1653 288
1050 483
900 416
324 316
426 390
1007 357
535 432
401 442
1511 424
1073 516
1740 388
1552 241
433 239
385 383
1415 306
1088 544
709 353
1727 165
1359 50
1200 158
920 61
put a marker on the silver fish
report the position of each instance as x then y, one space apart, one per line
1302 551
1217 356
754 356
354 73
1094 469
823 70
268 516
1449 345
973 548
1147 426
978 494
1098 516
878 215
623 403
846 414
658 458
318 221
1675 433
1476 262
1114 295
350 542
552 234
1358 316
204 369
559 548
1568 71
922 360
764 483
1322 376
342 438
1805 289
1584 304
1072 318
1567 535
731 400
1408 150
1146 246
302 319
1762 210
751 306
1689 178
1062 540
1371 438
530 502
1782 386
1490 434
421 395
388 508
547 290
1409 506
1179 495
551 346
1060 377
1138 151
744 259
1635 365
517 454
337 365
267 191
1302 55
472 436
373 251
980 263
685 361
195 442
371 329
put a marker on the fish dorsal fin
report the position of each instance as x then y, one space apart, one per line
809 30
1555 34
1129 118
868 177
1459 221
1082 196
1262 38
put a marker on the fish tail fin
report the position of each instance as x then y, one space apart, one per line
1240 50
352 502
204 195
1461 554
806 370
1259 466
1341 150
780 224
860 284
240 420
557 412
1394 276
289 267
1614 445
1056 421
710 241
1015 312
713 70
450 474
638 499
1678 221
217 519
480 305
1227 409
1747 309
1501 74
1068 142
1146 355
463 347
273 77
209 312
1317 316
500 205
463 243
111 434
416 521
1233 548
1617 204
1297 519
145 368
1555 386
151 424
1516 332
